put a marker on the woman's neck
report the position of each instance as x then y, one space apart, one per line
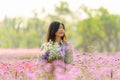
58 39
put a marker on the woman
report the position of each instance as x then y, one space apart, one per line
56 34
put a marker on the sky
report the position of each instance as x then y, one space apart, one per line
24 8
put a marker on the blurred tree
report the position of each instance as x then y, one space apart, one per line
100 30
111 29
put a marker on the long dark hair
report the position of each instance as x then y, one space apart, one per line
53 28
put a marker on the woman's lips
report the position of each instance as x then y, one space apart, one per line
61 32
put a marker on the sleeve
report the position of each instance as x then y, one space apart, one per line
41 52
68 54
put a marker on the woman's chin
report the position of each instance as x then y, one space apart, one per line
61 36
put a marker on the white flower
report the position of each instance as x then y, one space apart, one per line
54 50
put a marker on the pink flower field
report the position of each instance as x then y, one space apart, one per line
23 65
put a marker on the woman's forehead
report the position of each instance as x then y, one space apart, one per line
61 26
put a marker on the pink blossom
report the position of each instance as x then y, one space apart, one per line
48 67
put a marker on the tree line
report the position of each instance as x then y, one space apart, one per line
100 30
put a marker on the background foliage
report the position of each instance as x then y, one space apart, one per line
99 31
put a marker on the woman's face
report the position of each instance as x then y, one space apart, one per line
60 31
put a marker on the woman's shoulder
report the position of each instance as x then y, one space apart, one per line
67 44
43 44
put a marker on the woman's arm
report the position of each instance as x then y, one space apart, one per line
42 51
39 55
68 54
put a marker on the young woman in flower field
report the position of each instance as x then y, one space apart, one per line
56 53
56 46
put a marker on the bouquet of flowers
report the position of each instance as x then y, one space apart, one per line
52 51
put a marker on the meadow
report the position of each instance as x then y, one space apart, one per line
23 65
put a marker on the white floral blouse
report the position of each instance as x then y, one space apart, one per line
63 52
